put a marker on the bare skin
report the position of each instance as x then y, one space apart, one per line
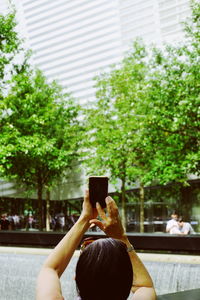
111 224
48 282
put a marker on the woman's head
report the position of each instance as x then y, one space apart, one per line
104 271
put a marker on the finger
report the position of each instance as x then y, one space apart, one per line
92 225
86 197
111 207
86 201
97 223
94 212
101 212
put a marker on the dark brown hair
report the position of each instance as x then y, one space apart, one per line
104 271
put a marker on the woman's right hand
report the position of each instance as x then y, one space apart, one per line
110 223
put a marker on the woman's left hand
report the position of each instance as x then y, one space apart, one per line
110 223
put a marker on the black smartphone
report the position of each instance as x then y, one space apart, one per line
98 190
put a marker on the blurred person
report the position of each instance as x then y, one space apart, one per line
4 222
172 225
185 227
16 221
22 221
107 268
60 222
30 222
11 221
52 222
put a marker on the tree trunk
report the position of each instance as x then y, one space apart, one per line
47 210
40 208
123 199
141 208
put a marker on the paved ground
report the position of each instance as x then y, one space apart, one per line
19 268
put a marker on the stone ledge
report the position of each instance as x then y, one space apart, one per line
145 242
151 257
185 295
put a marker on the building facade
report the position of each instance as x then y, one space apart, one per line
73 41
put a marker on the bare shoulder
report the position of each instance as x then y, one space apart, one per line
144 293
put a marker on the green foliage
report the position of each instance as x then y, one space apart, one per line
173 104
9 42
114 124
40 130
146 123
192 26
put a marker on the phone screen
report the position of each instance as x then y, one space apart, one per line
98 190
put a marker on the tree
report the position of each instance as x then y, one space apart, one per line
173 118
145 125
40 132
114 125
9 44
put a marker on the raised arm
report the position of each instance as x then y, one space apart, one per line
142 288
48 283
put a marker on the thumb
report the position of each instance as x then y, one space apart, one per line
97 223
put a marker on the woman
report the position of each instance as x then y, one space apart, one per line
108 269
